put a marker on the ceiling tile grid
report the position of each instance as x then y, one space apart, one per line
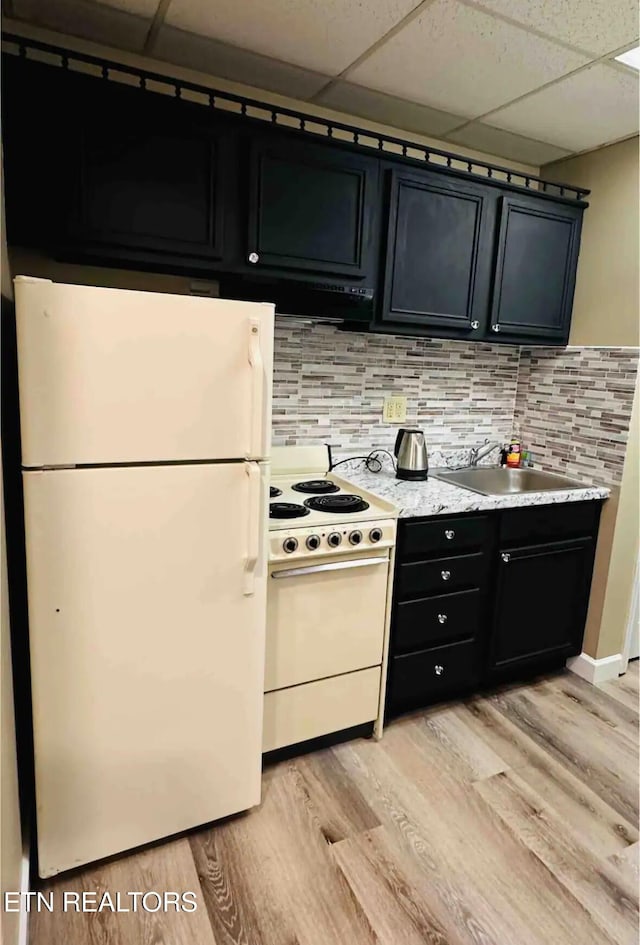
584 111
239 65
459 59
484 137
597 26
86 19
400 113
320 35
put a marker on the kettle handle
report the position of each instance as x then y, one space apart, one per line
399 436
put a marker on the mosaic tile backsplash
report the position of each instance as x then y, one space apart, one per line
329 385
570 406
573 407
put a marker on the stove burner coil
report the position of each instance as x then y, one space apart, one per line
286 510
316 486
337 503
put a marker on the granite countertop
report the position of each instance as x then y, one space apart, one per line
432 497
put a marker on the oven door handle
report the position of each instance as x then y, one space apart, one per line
333 566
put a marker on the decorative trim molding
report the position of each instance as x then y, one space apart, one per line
596 671
304 123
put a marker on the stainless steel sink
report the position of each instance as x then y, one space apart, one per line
489 480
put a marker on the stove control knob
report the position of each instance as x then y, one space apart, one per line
290 545
375 534
355 537
334 539
313 542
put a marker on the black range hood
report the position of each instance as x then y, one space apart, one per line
302 298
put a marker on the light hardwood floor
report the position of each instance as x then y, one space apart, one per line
507 819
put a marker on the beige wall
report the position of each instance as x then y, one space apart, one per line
621 572
10 830
607 312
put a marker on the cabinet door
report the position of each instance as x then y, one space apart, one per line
536 264
541 600
37 159
310 207
438 253
149 178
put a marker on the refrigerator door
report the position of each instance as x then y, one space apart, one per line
115 376
147 625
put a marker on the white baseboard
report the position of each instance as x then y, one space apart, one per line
23 927
596 671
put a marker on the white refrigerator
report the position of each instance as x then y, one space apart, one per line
145 424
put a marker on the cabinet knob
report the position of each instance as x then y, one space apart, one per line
506 558
442 618
449 533
253 257
445 575
475 324
438 669
495 328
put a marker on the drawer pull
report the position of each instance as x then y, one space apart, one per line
442 618
445 575
438 669
506 558
449 533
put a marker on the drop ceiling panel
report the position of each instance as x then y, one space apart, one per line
512 147
458 59
598 26
583 111
320 36
239 65
356 100
88 20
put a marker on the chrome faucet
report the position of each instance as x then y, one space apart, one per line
479 452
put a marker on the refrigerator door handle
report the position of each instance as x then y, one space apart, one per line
256 449
254 531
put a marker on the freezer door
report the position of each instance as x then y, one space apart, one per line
115 376
147 633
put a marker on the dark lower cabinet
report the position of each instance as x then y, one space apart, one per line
436 673
510 600
438 259
311 208
541 597
534 280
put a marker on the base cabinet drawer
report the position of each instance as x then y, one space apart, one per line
447 536
420 678
420 578
328 705
555 522
436 620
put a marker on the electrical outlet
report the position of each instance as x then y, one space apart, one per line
394 409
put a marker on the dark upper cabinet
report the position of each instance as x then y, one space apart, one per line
149 180
536 260
35 133
130 176
438 259
542 592
311 207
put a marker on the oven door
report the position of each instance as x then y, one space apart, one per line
325 618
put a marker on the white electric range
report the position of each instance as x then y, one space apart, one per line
313 512
331 549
